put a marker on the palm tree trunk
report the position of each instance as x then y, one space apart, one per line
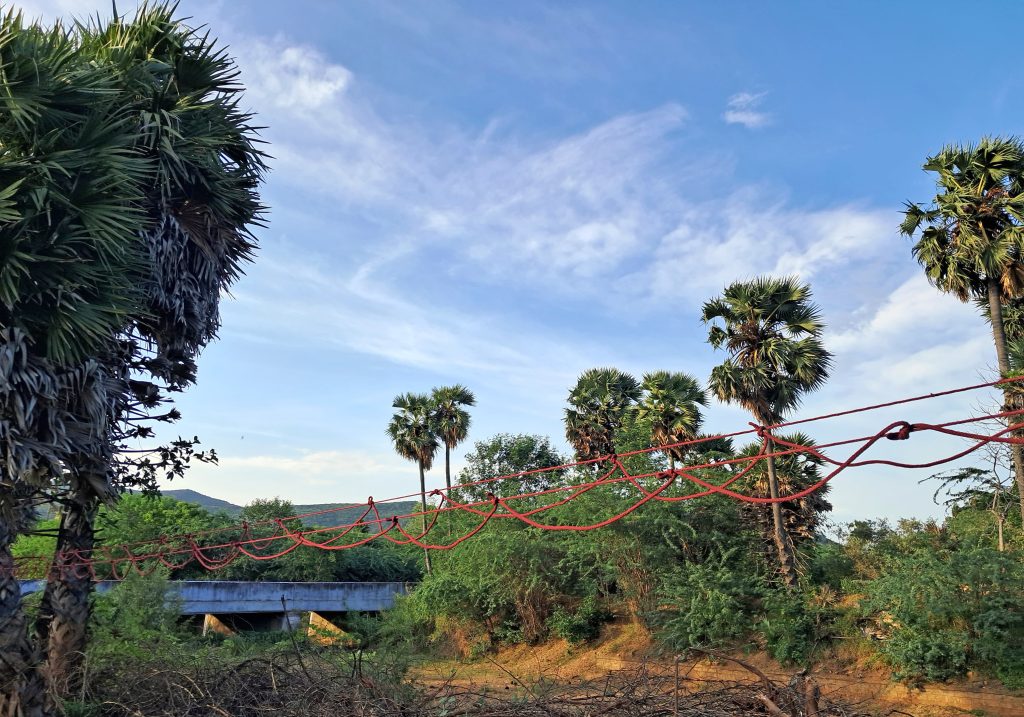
65 610
447 466
995 307
783 543
423 514
22 687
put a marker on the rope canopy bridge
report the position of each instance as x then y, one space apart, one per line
217 548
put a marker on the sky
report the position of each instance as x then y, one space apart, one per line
506 194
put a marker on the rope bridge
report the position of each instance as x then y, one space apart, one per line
217 548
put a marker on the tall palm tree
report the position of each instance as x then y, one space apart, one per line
412 432
772 333
451 421
200 203
70 189
970 238
600 401
671 402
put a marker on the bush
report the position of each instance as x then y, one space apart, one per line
793 625
945 613
138 618
709 605
583 625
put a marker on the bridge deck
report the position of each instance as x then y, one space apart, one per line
226 597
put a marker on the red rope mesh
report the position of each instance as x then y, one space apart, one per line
225 545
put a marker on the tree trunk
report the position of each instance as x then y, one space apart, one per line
22 688
447 466
783 543
64 613
423 514
995 308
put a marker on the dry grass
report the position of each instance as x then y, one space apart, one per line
294 685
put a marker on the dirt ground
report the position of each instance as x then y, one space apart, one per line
852 678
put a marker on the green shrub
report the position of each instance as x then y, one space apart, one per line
709 604
943 613
139 618
583 624
793 625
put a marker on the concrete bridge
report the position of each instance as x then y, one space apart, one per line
228 605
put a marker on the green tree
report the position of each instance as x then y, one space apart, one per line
598 405
970 237
451 420
142 521
508 454
412 432
671 402
304 564
772 333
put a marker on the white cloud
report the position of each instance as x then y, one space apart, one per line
742 108
744 234
293 78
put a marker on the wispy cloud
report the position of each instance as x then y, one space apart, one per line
743 109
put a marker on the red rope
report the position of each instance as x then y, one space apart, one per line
176 552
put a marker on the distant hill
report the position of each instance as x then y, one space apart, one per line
349 512
213 505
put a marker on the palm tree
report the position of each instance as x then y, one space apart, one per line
671 402
801 517
200 203
600 401
412 431
450 420
70 188
772 333
971 236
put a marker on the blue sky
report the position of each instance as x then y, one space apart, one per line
506 194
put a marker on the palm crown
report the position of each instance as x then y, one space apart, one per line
450 420
972 230
599 403
671 402
411 429
772 332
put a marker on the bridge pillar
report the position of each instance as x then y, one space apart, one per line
212 623
287 621
324 632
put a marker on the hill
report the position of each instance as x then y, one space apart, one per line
348 513
214 505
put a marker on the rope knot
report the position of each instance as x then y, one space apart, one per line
436 491
369 501
493 498
760 430
902 433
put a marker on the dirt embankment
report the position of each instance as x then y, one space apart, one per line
852 678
